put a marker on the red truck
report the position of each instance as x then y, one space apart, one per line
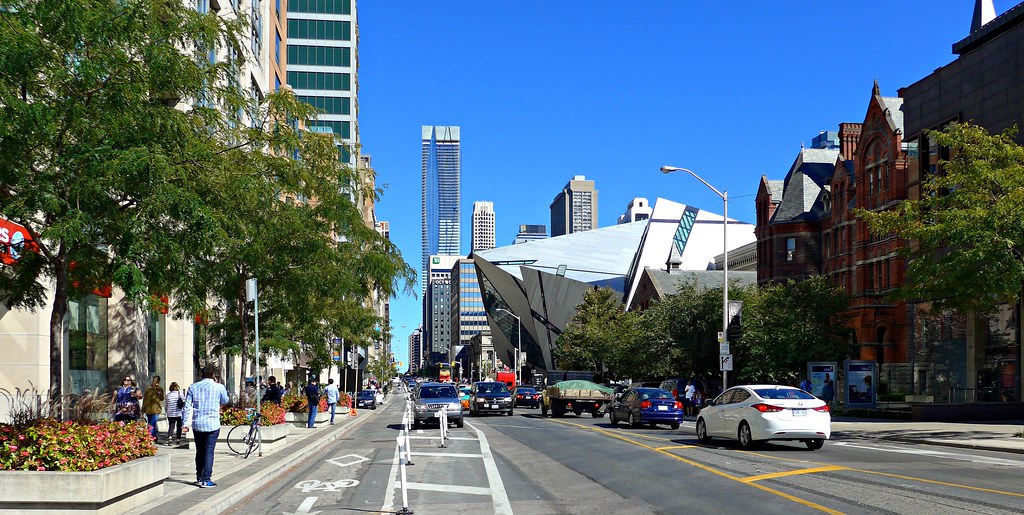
509 378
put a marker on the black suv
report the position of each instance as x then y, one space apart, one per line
490 397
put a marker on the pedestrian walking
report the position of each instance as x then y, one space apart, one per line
312 391
332 394
126 401
152 404
175 403
202 408
828 391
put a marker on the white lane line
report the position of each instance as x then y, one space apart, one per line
389 494
448 438
937 454
307 505
499 497
456 489
448 454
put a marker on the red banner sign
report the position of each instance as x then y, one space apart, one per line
14 239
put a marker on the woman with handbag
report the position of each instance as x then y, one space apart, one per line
126 401
175 403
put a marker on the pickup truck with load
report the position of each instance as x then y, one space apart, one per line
576 396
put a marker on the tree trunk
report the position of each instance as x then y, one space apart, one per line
57 314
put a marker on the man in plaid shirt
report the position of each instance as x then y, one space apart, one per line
202 408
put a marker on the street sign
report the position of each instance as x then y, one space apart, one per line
723 348
725 363
721 337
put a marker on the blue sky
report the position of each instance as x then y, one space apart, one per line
545 90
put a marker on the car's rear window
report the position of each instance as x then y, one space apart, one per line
653 393
366 393
525 390
437 392
491 388
783 393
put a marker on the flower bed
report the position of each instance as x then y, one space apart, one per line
47 444
299 404
270 414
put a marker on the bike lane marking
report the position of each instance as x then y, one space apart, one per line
499 497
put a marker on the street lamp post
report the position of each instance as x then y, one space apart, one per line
519 344
725 255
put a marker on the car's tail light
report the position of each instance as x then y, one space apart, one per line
645 405
675 393
519 396
679 405
766 408
822 409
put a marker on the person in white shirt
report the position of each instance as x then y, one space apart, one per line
688 394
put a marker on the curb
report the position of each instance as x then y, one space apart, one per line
242 490
958 445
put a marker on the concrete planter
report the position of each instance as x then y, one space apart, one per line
116 489
271 437
301 419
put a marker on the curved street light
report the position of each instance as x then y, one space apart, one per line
725 254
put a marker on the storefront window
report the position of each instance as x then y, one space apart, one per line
999 364
157 347
87 343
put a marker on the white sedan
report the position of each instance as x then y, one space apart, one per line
756 413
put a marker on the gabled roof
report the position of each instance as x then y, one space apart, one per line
811 171
893 112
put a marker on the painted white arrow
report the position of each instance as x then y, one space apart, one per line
305 507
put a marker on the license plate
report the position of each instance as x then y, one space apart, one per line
799 413
437 414
662 408
494 406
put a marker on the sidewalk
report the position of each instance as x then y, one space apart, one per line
993 436
237 478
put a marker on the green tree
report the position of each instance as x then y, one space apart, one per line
591 340
785 326
107 178
680 334
966 232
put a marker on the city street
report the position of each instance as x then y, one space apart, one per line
530 464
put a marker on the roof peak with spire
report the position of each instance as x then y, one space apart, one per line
984 12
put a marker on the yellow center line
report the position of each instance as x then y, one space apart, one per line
830 468
701 466
943 483
675 447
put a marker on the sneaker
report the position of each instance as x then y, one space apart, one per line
207 484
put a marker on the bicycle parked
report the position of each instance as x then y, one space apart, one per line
245 439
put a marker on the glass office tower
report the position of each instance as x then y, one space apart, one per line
442 173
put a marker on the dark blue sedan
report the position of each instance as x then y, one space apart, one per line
366 399
647 406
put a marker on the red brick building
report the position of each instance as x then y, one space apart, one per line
806 226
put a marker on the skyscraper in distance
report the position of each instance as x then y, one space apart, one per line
483 225
442 193
530 232
574 208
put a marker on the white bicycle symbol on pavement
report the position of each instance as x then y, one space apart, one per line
313 485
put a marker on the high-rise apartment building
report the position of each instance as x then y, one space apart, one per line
483 226
530 232
437 306
637 209
416 350
441 181
323 62
574 208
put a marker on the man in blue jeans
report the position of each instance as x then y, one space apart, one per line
202 409
332 394
312 391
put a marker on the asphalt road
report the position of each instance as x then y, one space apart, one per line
530 464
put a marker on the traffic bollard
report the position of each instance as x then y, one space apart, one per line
405 492
442 420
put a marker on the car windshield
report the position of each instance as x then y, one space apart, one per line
366 393
437 392
783 393
491 388
653 393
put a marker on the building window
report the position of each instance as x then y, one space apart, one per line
790 249
320 29
277 47
87 343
